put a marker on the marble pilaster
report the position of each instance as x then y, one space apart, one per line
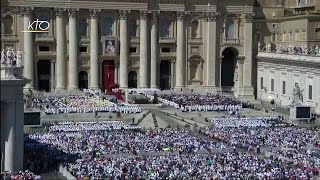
123 49
28 70
143 49
180 61
73 51
60 50
154 50
94 48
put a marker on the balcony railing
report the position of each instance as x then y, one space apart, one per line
134 39
44 37
195 40
167 40
8 36
231 40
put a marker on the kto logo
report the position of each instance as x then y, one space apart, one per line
38 26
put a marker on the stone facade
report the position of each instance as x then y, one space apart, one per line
278 73
148 44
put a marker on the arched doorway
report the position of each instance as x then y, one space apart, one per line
83 80
228 67
132 79
165 74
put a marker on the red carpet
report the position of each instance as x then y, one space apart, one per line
118 95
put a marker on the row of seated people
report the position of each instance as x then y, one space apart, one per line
84 104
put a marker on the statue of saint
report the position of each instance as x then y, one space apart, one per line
10 57
269 47
297 94
110 48
235 77
3 56
19 58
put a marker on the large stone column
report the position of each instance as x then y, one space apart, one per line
247 90
12 120
73 51
144 49
60 58
240 68
94 47
154 51
28 70
212 50
123 49
180 62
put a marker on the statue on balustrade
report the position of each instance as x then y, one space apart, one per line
3 56
259 46
297 94
10 57
317 50
235 77
19 58
269 47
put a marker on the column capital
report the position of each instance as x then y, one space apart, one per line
241 59
211 16
249 17
123 14
73 12
143 14
181 16
94 13
59 12
25 11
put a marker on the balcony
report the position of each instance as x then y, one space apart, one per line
44 38
167 40
231 41
84 39
134 39
9 37
193 40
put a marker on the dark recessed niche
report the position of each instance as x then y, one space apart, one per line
165 50
83 49
133 50
44 48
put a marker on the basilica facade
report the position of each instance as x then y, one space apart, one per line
200 44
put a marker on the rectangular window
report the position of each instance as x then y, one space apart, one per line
272 85
165 50
273 37
44 48
310 92
283 87
83 49
133 50
261 82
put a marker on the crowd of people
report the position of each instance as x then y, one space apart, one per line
21 175
83 104
114 150
198 102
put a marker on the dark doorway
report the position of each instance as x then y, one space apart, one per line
228 67
83 80
132 79
44 74
108 75
165 74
